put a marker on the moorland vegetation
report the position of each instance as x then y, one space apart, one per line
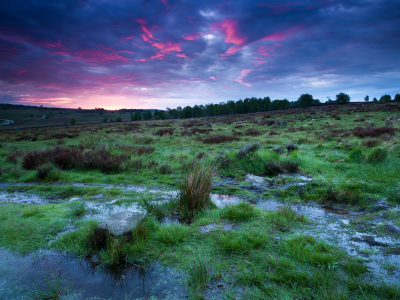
351 152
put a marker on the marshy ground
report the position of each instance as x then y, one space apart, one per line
304 205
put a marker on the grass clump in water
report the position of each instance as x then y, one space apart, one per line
194 190
285 218
239 212
54 288
78 209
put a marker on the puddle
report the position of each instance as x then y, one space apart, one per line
20 272
224 200
298 176
327 223
331 225
23 198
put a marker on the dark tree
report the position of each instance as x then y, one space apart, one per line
342 98
305 100
147 115
374 99
72 121
366 98
397 97
385 98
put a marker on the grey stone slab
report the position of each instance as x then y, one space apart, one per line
122 222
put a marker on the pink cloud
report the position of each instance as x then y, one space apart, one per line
141 21
124 39
191 36
259 62
158 55
265 50
213 78
99 56
231 31
164 2
229 27
149 34
244 73
144 37
167 47
181 55
280 36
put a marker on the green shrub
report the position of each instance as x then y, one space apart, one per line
78 209
249 148
377 155
233 241
356 156
285 218
165 169
157 209
354 268
45 171
272 169
30 211
172 234
239 212
257 237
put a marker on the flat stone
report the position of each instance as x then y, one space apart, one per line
392 228
98 196
207 228
122 222
257 180
227 227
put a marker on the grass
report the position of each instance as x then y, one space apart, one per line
351 163
194 190
54 288
240 212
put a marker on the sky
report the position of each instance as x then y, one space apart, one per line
167 53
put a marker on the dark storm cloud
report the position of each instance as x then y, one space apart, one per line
136 50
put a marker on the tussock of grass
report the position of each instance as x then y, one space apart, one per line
194 190
239 212
173 234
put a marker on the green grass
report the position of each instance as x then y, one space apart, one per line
260 255
240 212
26 228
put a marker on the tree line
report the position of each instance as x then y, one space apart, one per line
248 105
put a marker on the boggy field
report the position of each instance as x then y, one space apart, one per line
295 204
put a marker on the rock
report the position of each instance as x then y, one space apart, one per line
257 180
122 222
378 218
227 227
370 240
381 205
98 196
207 228
392 228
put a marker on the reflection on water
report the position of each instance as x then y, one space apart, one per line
20 272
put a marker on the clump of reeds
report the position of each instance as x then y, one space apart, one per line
194 190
